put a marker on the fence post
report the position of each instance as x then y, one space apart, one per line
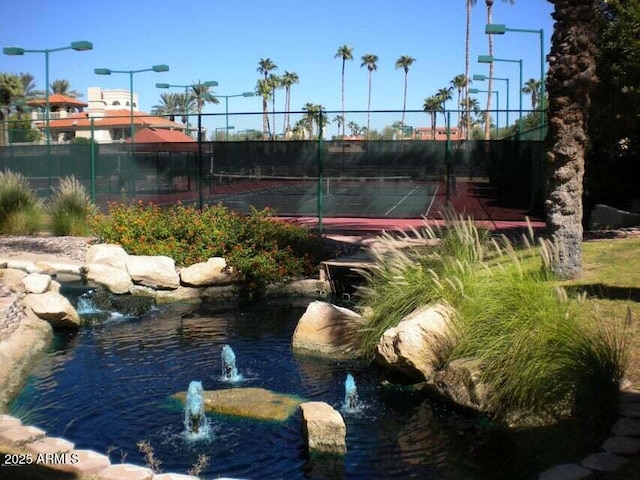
92 149
447 156
320 206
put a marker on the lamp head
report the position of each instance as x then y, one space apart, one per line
485 58
495 28
160 68
480 78
248 94
474 90
162 85
210 83
13 51
82 45
102 71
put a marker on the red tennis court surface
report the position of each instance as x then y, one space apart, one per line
477 200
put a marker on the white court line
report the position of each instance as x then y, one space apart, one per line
433 199
403 199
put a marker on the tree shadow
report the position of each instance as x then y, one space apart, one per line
608 292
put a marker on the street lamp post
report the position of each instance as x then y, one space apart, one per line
210 83
79 46
491 59
107 71
475 90
500 29
226 107
482 78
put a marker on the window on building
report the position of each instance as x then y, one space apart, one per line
115 102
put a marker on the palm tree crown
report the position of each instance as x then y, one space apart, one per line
370 61
532 87
404 62
265 65
345 52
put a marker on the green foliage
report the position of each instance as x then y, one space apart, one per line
539 356
70 208
263 249
20 210
20 129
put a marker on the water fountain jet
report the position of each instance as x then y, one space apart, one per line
229 369
195 420
351 402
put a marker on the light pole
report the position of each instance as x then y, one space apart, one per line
500 29
482 78
226 107
79 46
491 59
211 83
475 90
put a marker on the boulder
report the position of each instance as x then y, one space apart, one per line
12 277
411 348
36 283
54 308
116 280
256 403
212 272
327 329
461 382
107 254
324 428
56 268
157 271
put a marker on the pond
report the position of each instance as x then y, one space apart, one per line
109 386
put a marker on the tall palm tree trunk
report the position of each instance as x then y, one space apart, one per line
343 115
265 117
404 103
369 105
467 50
572 66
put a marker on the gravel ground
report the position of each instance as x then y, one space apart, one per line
62 249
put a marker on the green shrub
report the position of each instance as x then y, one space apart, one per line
20 210
539 357
260 247
70 208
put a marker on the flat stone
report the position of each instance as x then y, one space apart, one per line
604 462
324 428
20 435
125 471
36 282
155 271
7 421
89 462
56 268
626 427
107 254
50 445
257 403
569 471
24 265
629 410
115 279
622 445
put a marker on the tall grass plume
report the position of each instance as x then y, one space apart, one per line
70 208
20 209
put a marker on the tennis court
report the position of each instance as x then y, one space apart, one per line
376 197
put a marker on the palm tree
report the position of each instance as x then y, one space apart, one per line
263 89
63 87
29 86
370 61
532 87
275 82
432 105
404 62
444 95
200 95
571 77
288 79
265 66
171 104
487 126
314 115
11 89
339 120
460 82
345 52
467 51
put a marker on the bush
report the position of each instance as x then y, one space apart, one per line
20 210
263 249
70 208
539 356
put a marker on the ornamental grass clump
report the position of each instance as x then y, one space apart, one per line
70 208
539 357
20 209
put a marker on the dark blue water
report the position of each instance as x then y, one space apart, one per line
107 387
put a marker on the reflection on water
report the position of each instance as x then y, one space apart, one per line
109 386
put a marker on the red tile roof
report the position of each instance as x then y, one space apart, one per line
57 99
152 135
113 118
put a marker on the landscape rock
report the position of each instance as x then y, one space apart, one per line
327 329
461 382
410 349
157 271
567 471
54 308
36 283
324 428
107 254
212 272
116 280
257 403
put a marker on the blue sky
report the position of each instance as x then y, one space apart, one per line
223 41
